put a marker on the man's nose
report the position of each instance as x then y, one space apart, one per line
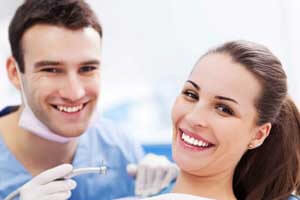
198 115
72 88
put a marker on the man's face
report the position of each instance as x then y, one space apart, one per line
62 76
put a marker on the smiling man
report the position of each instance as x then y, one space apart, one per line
56 66
62 78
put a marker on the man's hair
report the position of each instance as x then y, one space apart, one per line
70 14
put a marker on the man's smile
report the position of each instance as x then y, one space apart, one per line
69 108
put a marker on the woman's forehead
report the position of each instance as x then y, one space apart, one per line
219 75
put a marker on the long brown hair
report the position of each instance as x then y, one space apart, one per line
271 171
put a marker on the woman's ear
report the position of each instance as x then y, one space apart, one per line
11 69
260 134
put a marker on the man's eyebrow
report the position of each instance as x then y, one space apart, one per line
194 84
44 63
91 62
226 99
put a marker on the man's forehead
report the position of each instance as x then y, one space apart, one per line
44 33
58 44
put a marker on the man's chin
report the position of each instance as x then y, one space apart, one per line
72 132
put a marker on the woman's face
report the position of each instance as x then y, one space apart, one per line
214 116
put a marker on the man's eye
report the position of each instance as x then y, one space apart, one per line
87 68
224 109
50 70
190 95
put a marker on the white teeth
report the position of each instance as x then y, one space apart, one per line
200 143
193 141
70 109
196 142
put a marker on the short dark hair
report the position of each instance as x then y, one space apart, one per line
271 171
71 14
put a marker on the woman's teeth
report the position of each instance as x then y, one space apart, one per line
192 141
70 109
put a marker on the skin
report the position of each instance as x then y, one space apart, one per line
215 106
62 68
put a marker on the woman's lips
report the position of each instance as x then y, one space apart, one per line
192 141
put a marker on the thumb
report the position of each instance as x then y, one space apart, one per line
52 174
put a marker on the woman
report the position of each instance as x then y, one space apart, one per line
236 133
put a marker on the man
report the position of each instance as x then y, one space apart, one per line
56 65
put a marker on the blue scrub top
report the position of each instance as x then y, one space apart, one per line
102 142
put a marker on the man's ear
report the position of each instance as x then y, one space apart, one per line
260 134
11 69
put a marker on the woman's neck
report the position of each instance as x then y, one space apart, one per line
218 186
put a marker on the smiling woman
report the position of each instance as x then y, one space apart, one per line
236 133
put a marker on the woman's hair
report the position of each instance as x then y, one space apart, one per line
271 171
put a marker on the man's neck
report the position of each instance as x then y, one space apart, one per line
35 153
215 187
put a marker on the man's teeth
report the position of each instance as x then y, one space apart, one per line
70 109
193 141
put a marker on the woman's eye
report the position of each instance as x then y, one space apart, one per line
224 109
87 68
191 95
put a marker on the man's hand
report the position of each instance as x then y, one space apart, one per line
44 186
153 174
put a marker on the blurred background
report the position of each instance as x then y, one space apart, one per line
149 48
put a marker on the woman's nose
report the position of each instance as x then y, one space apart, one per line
198 116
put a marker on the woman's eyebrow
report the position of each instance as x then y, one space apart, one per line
194 84
226 99
217 97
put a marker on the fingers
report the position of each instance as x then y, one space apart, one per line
140 179
149 176
171 174
53 190
156 184
153 174
57 196
52 174
58 187
45 186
